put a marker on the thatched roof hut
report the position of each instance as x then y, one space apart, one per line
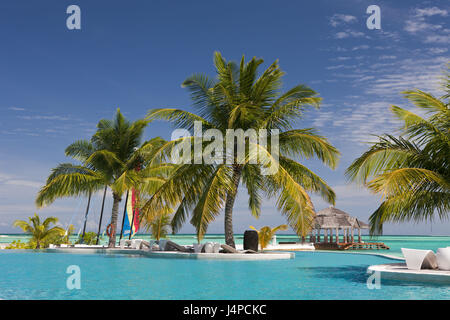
330 219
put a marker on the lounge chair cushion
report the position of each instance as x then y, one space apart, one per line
443 258
228 249
172 246
419 259
208 248
146 244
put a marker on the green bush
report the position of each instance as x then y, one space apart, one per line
20 245
90 238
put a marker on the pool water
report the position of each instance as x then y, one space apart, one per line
311 275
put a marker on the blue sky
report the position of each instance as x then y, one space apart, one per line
55 83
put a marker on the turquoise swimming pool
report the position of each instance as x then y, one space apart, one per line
311 275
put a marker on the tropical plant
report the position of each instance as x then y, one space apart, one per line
240 98
265 234
115 157
39 231
19 245
89 238
57 239
412 171
159 223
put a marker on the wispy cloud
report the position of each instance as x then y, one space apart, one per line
339 19
45 117
16 109
6 179
349 34
429 12
442 39
432 32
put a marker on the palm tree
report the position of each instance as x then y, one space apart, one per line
265 234
239 98
115 157
39 231
159 224
412 171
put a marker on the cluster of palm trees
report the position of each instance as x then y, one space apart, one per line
412 174
239 97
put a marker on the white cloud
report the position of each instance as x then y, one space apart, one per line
44 117
414 26
16 109
339 19
348 34
361 47
431 32
7 179
428 12
438 50
386 57
443 39
409 73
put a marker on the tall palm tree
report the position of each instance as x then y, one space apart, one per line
240 98
115 157
412 171
39 231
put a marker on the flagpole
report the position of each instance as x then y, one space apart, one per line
85 217
123 220
101 214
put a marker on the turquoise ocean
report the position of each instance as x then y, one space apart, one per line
395 242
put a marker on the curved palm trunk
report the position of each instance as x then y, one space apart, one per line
114 215
231 197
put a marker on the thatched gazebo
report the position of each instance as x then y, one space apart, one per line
332 219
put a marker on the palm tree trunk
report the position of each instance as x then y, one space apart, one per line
231 197
115 213
85 217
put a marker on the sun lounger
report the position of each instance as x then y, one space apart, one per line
124 243
146 244
443 258
208 247
172 246
198 247
136 244
419 259
228 249
216 247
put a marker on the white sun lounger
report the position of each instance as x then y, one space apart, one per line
443 258
198 247
419 259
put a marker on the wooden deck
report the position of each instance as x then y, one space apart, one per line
351 246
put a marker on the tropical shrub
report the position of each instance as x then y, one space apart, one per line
39 232
265 234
